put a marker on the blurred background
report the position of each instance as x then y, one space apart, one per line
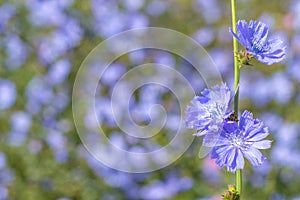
43 43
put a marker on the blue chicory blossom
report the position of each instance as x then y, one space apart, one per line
253 37
241 139
207 113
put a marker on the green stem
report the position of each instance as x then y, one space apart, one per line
238 174
236 84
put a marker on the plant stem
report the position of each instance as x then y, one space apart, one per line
236 84
238 174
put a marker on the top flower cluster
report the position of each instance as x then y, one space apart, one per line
254 37
231 140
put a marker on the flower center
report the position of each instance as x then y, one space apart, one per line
237 142
259 46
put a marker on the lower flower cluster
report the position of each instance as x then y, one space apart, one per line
231 140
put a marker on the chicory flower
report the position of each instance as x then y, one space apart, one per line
207 113
254 37
240 140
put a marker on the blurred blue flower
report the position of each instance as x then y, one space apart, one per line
60 102
8 94
16 138
205 36
71 31
63 198
262 89
7 11
20 125
172 122
253 37
112 74
208 112
59 72
38 92
222 58
58 143
210 10
281 87
157 190
3 192
6 177
17 52
164 58
104 112
272 120
258 88
2 160
133 5
295 7
239 140
108 19
137 57
47 13
118 140
65 37
20 121
137 20
287 145
157 7
293 67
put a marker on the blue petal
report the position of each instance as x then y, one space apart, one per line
210 139
220 152
260 33
200 133
222 159
254 156
241 40
264 144
258 137
237 162
276 54
275 44
243 34
253 129
270 59
240 160
201 100
246 120
223 141
257 134
195 115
